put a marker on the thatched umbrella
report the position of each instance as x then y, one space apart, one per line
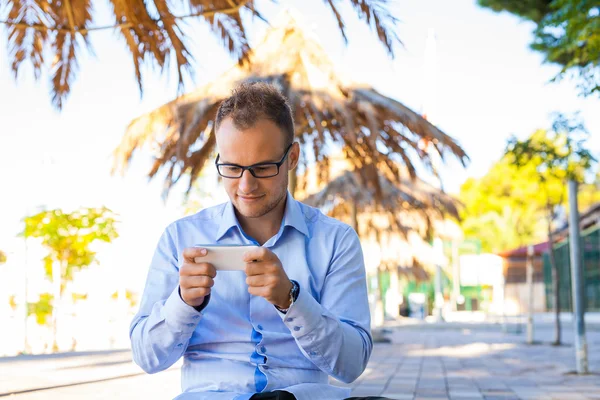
403 200
154 31
409 205
370 127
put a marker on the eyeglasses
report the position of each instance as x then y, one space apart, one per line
260 170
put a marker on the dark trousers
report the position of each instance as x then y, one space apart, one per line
281 395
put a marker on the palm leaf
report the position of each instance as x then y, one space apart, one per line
152 32
372 129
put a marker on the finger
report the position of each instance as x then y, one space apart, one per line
192 252
192 269
195 293
254 268
189 282
257 254
261 268
260 280
261 291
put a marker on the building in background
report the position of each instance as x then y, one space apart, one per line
481 283
589 227
515 276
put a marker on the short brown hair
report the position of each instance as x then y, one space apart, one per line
250 102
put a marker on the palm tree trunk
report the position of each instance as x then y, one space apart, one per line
292 181
380 293
555 283
56 281
354 215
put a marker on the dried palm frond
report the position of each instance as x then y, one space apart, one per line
417 272
371 128
153 32
410 205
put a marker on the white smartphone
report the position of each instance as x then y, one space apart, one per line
224 257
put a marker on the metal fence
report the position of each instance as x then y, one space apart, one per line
590 241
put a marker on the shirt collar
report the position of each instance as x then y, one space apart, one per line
293 216
228 220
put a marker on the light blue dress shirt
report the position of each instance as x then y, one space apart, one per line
240 344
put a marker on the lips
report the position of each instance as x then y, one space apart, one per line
249 198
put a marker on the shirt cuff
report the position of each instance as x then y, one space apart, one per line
201 306
303 316
179 315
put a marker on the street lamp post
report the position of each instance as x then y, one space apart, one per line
529 262
577 281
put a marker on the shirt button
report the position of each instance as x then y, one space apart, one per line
196 316
180 344
190 325
260 328
296 328
290 319
313 353
263 349
265 367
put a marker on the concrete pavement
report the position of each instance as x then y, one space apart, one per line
423 361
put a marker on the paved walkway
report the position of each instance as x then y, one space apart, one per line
433 361
455 362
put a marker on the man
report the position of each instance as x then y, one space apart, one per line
299 312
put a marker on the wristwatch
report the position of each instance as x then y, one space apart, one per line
294 292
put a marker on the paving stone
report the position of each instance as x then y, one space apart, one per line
426 361
461 393
398 396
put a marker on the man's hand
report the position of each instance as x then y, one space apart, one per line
195 279
266 277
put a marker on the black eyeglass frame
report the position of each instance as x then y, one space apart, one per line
251 167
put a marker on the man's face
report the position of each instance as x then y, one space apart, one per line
263 142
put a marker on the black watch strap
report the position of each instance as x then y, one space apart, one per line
294 292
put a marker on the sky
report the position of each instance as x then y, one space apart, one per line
488 85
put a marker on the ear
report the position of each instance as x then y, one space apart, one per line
294 156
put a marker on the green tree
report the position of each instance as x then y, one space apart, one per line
498 209
567 33
42 309
558 155
68 237
130 296
589 193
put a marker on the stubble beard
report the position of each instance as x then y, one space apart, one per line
267 208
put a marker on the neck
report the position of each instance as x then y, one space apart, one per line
266 226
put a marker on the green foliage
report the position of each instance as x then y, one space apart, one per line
589 194
508 207
12 302
557 155
567 33
129 295
533 10
498 209
68 237
78 296
42 308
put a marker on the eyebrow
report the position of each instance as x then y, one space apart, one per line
218 159
222 161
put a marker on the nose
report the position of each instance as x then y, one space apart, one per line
247 183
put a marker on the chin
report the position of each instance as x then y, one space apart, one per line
251 211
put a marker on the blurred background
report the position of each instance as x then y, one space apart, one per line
445 132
